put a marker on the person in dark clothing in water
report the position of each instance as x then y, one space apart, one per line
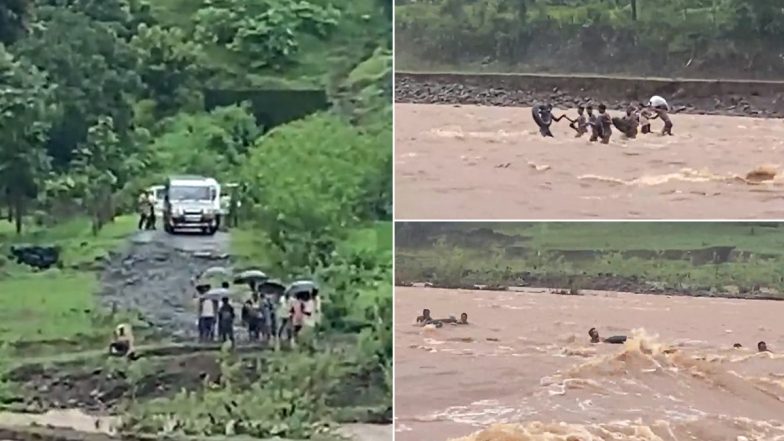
615 339
737 346
425 317
628 123
543 117
226 321
762 347
604 122
463 319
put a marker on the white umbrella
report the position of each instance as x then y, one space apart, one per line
252 275
215 271
301 286
215 294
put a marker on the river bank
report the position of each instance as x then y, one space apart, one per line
691 96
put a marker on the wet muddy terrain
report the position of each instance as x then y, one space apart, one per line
153 276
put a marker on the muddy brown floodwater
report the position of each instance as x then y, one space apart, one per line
473 162
525 370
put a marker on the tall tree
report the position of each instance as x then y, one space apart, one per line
24 121
94 69
96 166
14 15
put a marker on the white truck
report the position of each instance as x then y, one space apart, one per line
191 203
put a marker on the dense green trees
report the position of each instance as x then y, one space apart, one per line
25 115
111 92
661 37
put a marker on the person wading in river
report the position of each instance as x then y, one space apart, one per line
425 317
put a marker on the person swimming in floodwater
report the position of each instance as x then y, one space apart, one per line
762 347
615 339
543 117
425 317
737 346
454 321
579 125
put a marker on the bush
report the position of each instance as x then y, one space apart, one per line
308 181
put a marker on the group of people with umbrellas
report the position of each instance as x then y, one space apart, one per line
270 311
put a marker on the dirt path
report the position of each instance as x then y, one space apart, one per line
153 274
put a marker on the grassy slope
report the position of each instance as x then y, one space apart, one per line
556 240
617 236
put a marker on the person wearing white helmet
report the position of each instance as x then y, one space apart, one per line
658 102
660 106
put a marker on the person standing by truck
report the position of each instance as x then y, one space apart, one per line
145 207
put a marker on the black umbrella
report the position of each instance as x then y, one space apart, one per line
302 288
271 287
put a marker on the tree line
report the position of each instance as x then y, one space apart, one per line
661 37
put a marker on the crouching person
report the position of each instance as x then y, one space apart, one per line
122 342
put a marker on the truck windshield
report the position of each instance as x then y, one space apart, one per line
190 193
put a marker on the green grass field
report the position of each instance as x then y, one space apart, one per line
619 236
46 306
57 304
676 255
74 237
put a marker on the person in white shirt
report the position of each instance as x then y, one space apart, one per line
207 312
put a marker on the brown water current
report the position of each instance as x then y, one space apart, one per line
473 162
524 368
